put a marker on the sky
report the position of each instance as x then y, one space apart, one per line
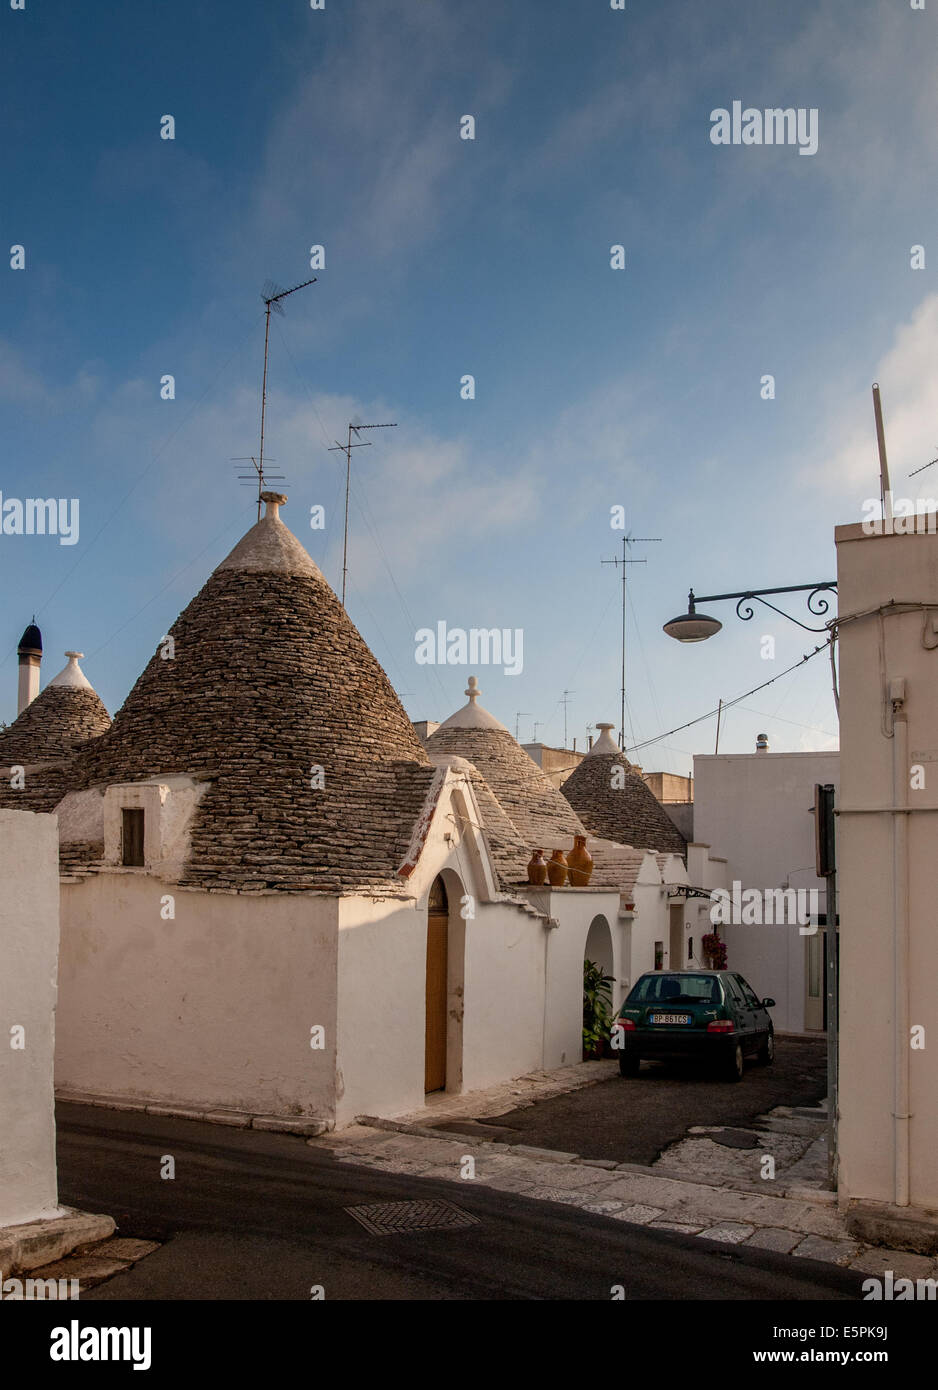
596 389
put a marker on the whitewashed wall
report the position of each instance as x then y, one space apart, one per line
29 937
211 1009
874 570
756 807
575 910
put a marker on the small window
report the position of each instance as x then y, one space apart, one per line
132 838
690 948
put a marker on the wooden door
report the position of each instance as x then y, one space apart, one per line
435 1056
676 938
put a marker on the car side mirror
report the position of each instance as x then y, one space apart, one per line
768 1003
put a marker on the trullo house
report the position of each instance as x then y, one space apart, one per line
276 901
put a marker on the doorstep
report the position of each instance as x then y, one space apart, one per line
36 1243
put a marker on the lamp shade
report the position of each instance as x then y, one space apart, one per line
692 627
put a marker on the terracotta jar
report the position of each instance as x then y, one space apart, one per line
557 869
537 869
580 863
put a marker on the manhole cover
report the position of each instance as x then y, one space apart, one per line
390 1218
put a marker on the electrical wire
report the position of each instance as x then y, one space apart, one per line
728 704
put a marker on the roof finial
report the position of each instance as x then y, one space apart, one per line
274 500
472 689
72 674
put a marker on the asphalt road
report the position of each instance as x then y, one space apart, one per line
261 1216
632 1119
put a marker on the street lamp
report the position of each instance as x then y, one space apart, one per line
697 627
692 626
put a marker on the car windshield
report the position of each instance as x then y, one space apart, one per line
671 989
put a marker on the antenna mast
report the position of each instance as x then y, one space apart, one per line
626 542
884 491
346 449
271 295
565 700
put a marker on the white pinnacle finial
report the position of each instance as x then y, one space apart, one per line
72 674
472 715
605 743
274 501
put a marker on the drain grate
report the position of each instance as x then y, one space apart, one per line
391 1218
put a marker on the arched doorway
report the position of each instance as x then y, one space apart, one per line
598 947
437 987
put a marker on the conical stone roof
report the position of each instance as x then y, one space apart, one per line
50 731
616 803
537 810
270 680
63 716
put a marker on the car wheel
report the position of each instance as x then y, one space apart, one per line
628 1066
766 1053
734 1067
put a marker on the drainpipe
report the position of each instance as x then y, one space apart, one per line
900 889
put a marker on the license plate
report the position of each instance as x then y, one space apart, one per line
670 1018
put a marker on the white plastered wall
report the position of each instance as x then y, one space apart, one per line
574 910
29 937
212 1008
874 570
757 808
496 966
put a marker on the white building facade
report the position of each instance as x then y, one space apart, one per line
760 807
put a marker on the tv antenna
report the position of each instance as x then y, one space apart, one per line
518 715
627 541
272 295
261 478
346 449
923 467
565 700
538 723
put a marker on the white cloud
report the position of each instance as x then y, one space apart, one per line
847 463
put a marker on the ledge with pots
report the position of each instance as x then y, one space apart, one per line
573 869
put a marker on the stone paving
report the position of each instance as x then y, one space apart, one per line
800 1221
93 1263
714 1183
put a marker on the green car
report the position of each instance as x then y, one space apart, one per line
704 1015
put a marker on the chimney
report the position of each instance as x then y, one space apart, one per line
589 742
29 652
762 743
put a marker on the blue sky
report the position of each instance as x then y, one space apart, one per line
594 387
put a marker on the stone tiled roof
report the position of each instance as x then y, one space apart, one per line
520 807
615 866
629 814
534 806
44 740
270 679
59 720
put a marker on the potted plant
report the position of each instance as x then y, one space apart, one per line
597 1010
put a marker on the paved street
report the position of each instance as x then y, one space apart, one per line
632 1120
253 1215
